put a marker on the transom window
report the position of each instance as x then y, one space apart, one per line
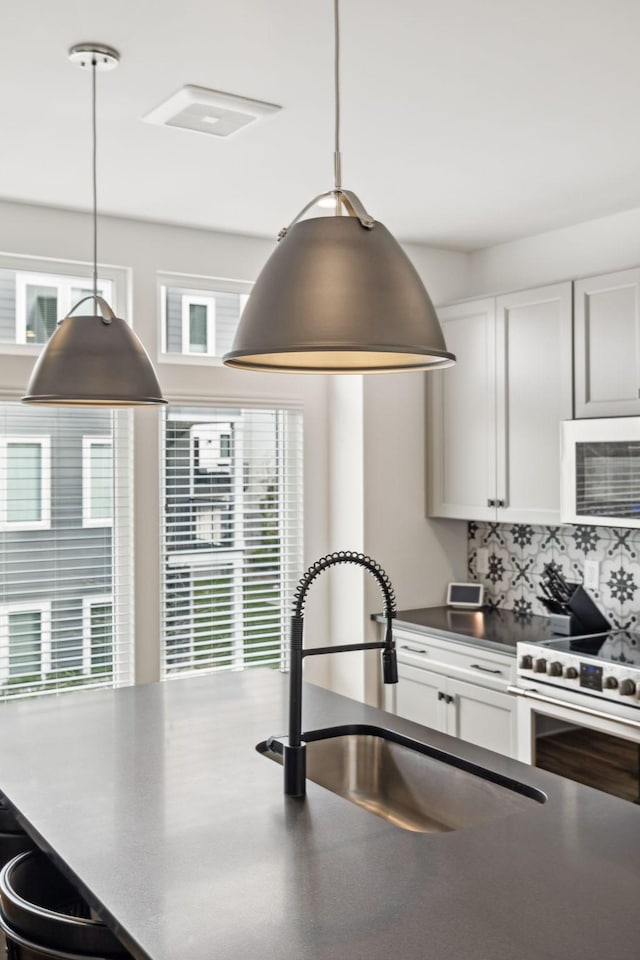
42 299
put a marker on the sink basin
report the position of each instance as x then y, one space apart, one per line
412 785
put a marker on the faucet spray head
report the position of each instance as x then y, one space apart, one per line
389 666
389 659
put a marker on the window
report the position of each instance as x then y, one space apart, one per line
26 656
199 323
25 483
97 633
65 588
210 455
232 539
43 299
97 482
209 521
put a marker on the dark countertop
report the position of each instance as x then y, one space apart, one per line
489 627
156 800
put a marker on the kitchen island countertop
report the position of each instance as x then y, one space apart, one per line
155 800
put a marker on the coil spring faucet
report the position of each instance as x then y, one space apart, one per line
294 751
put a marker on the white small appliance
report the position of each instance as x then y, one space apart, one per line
469 596
600 470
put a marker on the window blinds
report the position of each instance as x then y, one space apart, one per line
232 536
66 567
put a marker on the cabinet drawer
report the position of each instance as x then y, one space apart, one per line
476 665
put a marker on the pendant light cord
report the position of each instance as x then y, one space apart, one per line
337 159
95 184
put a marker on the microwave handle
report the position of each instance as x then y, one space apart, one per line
532 694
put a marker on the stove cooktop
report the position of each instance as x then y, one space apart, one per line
616 646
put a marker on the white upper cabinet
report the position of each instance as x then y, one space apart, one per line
607 345
534 392
495 417
462 449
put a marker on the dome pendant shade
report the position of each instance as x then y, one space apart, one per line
335 297
90 362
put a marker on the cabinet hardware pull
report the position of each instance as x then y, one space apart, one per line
491 503
441 695
404 646
500 503
476 666
449 698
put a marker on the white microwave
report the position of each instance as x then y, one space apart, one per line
600 471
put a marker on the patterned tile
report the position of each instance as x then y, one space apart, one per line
474 532
518 554
497 600
523 574
551 538
582 543
524 604
628 545
494 535
498 573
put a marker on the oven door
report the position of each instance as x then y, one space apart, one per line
579 739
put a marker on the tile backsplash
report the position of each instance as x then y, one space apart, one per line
518 553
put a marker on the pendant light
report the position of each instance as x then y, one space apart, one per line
94 359
338 295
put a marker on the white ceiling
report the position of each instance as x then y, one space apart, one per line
465 122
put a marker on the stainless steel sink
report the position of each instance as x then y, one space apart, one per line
411 785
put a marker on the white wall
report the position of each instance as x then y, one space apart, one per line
421 556
597 246
385 512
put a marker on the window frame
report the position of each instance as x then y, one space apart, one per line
87 520
63 284
45 486
43 607
95 600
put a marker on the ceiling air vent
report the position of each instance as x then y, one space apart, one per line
209 111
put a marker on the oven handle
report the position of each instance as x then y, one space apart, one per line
531 694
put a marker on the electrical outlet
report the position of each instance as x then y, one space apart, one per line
482 560
591 574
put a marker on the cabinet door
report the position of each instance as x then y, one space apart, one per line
417 697
534 390
461 416
482 716
607 345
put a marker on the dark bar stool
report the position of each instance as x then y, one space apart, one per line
44 917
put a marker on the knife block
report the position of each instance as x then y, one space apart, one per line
589 618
